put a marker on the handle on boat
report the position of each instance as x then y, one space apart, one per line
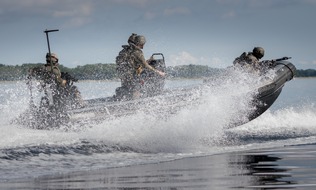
281 59
161 64
163 58
47 38
47 31
272 62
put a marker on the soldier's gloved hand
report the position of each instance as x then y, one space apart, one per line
272 63
160 73
63 83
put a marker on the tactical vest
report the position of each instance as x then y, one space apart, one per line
241 60
123 62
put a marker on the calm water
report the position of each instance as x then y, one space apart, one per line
191 150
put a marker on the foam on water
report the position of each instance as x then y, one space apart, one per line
281 124
197 129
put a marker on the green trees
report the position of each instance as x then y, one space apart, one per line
87 72
8 72
107 71
306 73
97 71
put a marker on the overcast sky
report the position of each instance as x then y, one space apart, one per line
206 32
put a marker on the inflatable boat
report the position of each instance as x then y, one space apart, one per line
283 71
155 99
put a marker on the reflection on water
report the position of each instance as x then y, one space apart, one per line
284 168
262 169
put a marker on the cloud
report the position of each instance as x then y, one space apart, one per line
176 11
311 2
75 17
76 22
15 10
185 58
304 62
230 14
71 12
135 3
18 4
149 15
84 9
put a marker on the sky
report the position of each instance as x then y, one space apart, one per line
200 32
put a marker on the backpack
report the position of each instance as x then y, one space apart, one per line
122 61
241 60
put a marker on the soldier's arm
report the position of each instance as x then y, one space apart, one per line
145 64
59 80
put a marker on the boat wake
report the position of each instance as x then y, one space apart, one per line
293 124
147 137
167 127
186 133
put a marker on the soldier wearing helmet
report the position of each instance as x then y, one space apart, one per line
250 60
50 77
52 66
130 64
140 41
61 89
123 68
258 52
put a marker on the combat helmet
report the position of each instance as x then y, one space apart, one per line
258 52
140 40
52 57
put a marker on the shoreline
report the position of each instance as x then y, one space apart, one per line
118 80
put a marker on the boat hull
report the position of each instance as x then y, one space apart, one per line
268 94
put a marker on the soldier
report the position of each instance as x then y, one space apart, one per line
250 60
52 66
64 93
52 79
131 62
123 68
54 85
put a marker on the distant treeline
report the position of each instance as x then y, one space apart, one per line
305 73
107 71
102 71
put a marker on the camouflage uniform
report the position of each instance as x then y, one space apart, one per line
57 83
55 72
130 63
138 63
60 93
51 81
124 68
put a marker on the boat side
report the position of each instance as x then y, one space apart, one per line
284 72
